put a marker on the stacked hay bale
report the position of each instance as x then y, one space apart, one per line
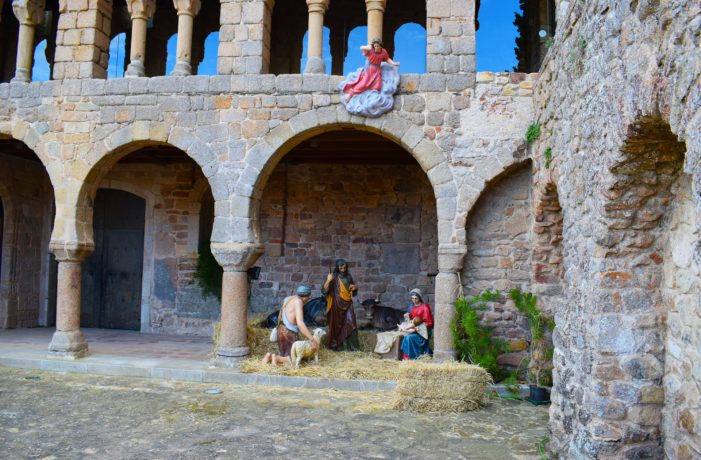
423 386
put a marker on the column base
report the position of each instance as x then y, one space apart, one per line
68 344
135 69
22 76
315 65
441 356
231 356
181 69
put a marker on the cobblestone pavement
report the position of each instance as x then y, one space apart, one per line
56 416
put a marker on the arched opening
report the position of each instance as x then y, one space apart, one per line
513 35
45 43
499 250
205 40
147 230
353 57
163 26
289 24
347 194
410 48
120 41
9 31
404 36
28 270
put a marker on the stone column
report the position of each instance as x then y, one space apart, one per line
187 10
68 340
450 262
315 36
236 258
141 12
376 12
29 13
83 40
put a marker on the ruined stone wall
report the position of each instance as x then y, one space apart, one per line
682 291
380 218
170 293
618 89
27 200
499 244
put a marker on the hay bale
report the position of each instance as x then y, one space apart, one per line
423 386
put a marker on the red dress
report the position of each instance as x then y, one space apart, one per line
370 77
424 311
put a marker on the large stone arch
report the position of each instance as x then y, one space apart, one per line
266 154
80 182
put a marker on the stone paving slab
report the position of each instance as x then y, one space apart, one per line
60 416
180 358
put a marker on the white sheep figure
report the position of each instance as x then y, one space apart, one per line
303 348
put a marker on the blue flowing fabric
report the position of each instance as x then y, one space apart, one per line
372 103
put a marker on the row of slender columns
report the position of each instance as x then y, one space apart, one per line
142 12
317 9
31 12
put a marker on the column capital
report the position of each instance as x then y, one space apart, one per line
451 258
188 7
375 5
71 251
29 12
236 257
141 9
317 6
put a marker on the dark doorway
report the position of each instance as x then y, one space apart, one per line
111 296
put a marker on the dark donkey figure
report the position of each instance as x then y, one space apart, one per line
383 318
314 314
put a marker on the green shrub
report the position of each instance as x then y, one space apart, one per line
474 342
541 349
548 154
208 273
533 133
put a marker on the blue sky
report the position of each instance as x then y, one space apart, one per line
495 46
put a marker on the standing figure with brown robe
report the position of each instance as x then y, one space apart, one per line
339 290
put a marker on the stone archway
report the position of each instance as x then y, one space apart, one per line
354 195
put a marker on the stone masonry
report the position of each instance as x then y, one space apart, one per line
606 230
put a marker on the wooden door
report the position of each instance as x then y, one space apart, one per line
111 292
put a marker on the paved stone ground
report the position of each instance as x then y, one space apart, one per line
55 416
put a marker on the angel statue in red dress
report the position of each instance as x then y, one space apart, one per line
370 90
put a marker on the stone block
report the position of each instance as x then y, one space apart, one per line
289 84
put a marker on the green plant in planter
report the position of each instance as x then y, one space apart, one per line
474 342
541 350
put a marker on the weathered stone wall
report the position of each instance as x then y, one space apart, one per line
170 293
681 292
27 201
380 218
620 83
499 244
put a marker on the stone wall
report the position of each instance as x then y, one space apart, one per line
380 218
681 292
499 244
27 203
171 297
617 92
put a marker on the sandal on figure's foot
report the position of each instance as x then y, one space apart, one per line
266 358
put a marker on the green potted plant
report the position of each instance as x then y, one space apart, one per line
541 349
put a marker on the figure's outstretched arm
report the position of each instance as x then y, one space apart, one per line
391 62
